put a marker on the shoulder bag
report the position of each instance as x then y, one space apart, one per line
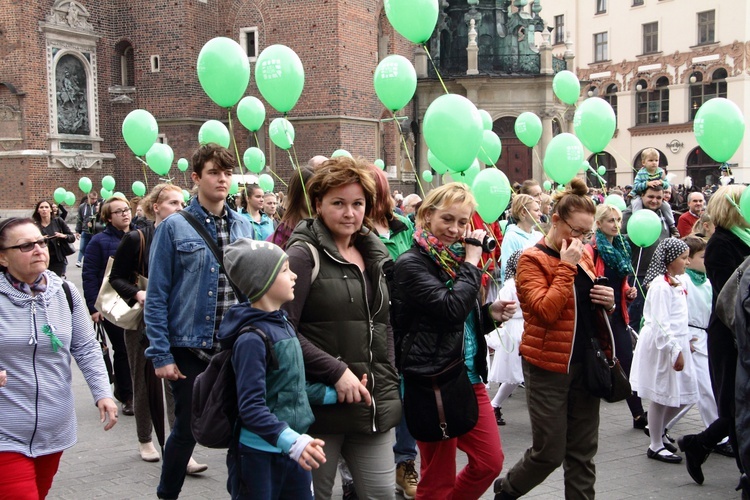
66 247
115 308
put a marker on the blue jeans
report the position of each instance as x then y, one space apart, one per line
180 444
405 447
85 238
259 475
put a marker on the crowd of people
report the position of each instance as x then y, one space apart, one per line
365 327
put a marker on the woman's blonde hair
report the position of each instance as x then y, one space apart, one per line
723 207
443 197
518 205
155 197
603 211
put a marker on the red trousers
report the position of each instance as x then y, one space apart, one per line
481 445
24 478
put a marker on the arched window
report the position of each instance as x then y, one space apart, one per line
652 105
556 127
702 168
701 91
610 95
124 66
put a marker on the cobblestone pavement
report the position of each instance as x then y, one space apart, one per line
107 464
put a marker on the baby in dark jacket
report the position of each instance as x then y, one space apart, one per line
274 457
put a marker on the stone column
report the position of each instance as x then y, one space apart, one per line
420 62
472 51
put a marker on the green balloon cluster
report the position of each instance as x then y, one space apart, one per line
415 20
108 183
594 123
159 158
251 113
139 189
528 128
223 71
140 131
491 189
265 182
601 170
491 148
182 164
281 133
616 201
395 82
486 119
70 199
341 152
427 176
59 195
453 131
254 159
547 185
105 193
85 184
563 158
214 131
380 164
644 228
719 127
566 87
234 187
280 77
437 165
186 195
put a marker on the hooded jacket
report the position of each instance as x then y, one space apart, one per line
273 406
37 411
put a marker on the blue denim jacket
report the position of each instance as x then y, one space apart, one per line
182 283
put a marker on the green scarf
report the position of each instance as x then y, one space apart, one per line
616 255
697 277
743 234
449 259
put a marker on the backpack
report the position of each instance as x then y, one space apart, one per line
215 410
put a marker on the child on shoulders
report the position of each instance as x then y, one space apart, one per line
652 175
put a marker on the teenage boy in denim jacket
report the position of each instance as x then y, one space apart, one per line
187 296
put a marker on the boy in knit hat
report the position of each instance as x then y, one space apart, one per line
274 457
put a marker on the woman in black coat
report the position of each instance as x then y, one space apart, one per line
58 235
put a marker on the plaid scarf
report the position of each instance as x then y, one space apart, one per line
448 258
616 255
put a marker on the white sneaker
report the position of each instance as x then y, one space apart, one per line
194 467
148 452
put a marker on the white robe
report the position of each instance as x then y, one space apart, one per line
506 365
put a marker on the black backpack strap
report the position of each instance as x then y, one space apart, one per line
68 295
214 250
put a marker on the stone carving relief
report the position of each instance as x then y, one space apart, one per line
78 162
71 96
71 14
10 127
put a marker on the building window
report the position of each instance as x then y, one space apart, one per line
601 6
559 29
125 65
706 27
155 64
650 38
652 105
600 47
610 95
636 3
701 92
249 42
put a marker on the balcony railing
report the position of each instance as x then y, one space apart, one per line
526 64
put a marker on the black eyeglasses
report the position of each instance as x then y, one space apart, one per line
122 211
577 233
28 247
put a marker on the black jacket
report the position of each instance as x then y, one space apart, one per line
129 262
429 312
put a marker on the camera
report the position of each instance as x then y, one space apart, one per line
488 244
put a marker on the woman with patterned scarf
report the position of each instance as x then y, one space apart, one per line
611 254
437 318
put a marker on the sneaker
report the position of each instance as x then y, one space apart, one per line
148 452
407 479
194 467
498 416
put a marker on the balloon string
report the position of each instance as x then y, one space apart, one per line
304 191
257 142
602 182
437 72
184 178
145 177
234 141
408 155
279 178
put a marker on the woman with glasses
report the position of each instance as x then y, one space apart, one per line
563 309
58 235
45 323
116 214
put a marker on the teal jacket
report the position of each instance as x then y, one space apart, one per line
401 237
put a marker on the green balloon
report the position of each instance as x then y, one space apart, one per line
254 159
380 164
105 193
280 77
214 131
528 128
616 201
415 20
265 182
437 165
453 130
185 195
562 160
70 199
719 127
159 158
59 195
85 184
427 176
503 226
395 82
341 152
644 228
594 123
182 164
139 189
745 204
140 131
566 87
601 170
251 113
491 189
486 119
547 185
491 148
119 194
234 187
281 133
223 71
108 183
468 175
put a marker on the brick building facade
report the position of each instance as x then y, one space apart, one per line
71 71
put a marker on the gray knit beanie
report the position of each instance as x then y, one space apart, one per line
253 265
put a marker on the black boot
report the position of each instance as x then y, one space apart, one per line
498 416
499 493
695 455
744 486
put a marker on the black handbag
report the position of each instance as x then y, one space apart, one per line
101 337
440 406
605 378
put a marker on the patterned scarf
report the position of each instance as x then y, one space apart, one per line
666 253
616 255
511 265
38 286
449 259
697 277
